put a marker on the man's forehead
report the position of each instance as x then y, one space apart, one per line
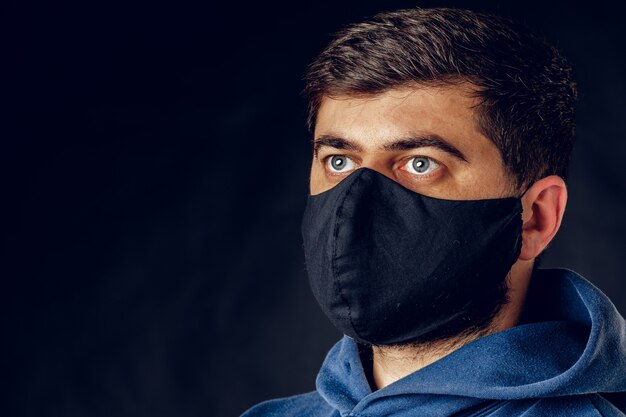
375 120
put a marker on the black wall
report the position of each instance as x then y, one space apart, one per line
154 170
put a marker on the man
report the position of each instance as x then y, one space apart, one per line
441 144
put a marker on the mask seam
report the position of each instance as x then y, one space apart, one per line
332 264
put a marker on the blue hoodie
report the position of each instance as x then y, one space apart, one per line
564 359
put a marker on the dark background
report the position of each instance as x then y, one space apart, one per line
154 171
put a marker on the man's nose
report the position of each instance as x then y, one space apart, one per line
382 167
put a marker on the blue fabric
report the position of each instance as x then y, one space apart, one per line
568 352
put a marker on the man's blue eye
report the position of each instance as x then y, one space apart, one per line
340 163
422 165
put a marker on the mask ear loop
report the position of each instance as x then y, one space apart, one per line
527 188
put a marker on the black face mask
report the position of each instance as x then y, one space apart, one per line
388 265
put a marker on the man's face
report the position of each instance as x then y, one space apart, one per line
424 138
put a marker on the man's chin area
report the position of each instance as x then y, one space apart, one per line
437 344
453 336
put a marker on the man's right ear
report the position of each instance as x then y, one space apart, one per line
543 208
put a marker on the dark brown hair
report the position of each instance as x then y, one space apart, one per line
527 94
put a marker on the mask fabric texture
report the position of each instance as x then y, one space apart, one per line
388 265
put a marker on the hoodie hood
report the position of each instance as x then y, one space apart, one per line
570 341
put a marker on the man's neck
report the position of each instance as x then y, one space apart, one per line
391 363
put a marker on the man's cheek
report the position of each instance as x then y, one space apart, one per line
318 181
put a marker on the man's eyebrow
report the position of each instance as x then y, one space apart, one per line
422 141
404 144
335 142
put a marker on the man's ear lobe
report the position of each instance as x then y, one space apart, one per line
543 208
